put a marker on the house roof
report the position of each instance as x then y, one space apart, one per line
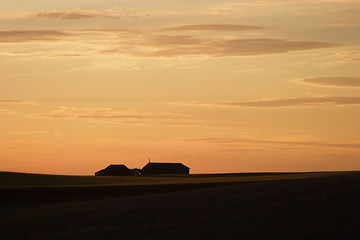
114 169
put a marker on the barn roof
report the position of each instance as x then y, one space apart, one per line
165 165
116 166
157 164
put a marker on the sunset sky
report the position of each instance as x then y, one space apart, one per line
221 86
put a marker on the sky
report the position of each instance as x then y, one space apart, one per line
220 86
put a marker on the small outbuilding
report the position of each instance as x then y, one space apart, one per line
164 168
114 170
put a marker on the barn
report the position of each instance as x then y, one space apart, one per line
114 170
164 168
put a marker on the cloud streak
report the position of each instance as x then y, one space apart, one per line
11 101
175 46
120 116
40 132
32 35
75 14
16 101
288 102
213 27
93 113
354 59
66 15
332 81
248 47
147 44
275 142
6 111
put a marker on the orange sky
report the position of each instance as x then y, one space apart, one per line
221 86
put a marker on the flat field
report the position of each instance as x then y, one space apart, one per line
322 205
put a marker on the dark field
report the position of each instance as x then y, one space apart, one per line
224 206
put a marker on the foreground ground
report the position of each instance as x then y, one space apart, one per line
240 206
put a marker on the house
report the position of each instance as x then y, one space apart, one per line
164 168
114 170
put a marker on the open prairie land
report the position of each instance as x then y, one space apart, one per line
322 205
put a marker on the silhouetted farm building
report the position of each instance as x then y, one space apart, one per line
164 168
114 170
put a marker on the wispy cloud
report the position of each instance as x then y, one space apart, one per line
120 116
261 46
17 101
11 101
188 45
288 102
275 142
6 111
213 27
39 132
8 102
93 113
14 145
332 81
149 44
76 14
32 35
72 15
116 31
167 41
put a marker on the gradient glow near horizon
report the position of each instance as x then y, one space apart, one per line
221 86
